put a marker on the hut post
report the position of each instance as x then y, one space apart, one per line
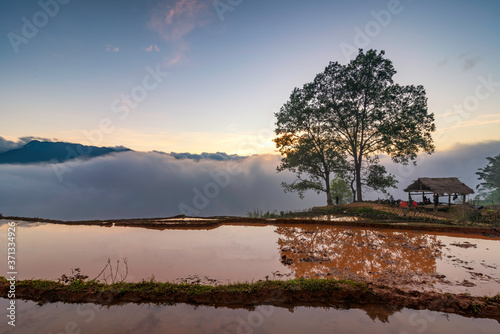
449 201
434 201
464 199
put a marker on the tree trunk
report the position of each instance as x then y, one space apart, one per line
357 170
329 201
328 191
353 191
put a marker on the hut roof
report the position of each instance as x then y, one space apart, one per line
440 185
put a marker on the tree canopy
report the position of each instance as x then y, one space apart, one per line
347 116
491 177
306 145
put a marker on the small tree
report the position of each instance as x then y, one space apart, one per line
490 174
373 176
340 188
379 180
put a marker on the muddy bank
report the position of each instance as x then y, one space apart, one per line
183 222
300 292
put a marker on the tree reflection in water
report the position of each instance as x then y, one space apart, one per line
312 251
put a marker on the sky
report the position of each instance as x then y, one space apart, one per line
206 76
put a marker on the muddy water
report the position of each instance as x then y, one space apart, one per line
451 263
88 318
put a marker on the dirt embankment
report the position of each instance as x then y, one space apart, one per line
277 293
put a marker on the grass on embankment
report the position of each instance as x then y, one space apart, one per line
152 286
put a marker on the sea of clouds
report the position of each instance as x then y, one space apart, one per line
137 184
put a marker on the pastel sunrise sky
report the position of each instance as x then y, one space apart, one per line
205 75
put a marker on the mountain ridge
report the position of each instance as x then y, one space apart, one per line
37 151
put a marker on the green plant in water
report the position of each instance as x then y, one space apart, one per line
76 276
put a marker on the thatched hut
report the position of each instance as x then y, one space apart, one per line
439 186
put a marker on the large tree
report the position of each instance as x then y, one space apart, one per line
359 112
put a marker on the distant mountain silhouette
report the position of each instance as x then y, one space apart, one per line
42 151
219 156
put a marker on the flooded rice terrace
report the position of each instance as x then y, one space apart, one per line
230 253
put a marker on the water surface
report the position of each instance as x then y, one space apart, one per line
151 319
246 253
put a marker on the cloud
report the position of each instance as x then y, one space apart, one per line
485 119
468 61
134 184
177 56
111 48
6 145
152 48
174 21
443 62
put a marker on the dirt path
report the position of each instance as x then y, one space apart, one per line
401 211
